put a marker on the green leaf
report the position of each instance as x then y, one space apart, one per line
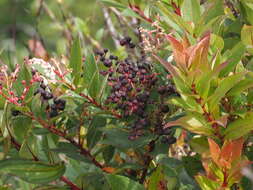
248 10
206 183
224 86
155 179
216 42
76 61
174 18
192 164
93 181
94 134
193 124
239 127
92 79
203 84
241 86
235 56
130 13
119 138
117 182
113 3
70 151
191 10
21 125
247 37
29 147
215 10
32 171
50 187
199 144
108 153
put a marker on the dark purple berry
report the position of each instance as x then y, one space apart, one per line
165 108
128 39
122 42
15 113
47 95
53 113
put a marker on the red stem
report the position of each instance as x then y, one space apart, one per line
92 101
67 181
55 131
137 10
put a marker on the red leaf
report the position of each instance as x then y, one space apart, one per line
215 151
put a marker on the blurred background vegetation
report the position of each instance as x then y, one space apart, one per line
53 23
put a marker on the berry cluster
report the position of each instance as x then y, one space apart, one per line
58 104
45 94
133 83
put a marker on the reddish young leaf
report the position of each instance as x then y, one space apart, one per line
237 149
226 154
214 151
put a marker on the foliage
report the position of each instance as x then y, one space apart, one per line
169 106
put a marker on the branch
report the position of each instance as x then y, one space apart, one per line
59 133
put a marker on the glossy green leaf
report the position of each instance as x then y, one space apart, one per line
21 125
248 10
29 147
199 144
50 187
235 56
174 17
203 84
76 61
92 79
239 127
206 183
93 180
113 3
70 151
155 179
117 182
224 86
191 10
241 86
192 165
192 124
31 171
119 138
247 37
94 134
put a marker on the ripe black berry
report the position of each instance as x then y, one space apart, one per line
122 42
15 112
107 63
165 108
128 39
53 113
47 95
